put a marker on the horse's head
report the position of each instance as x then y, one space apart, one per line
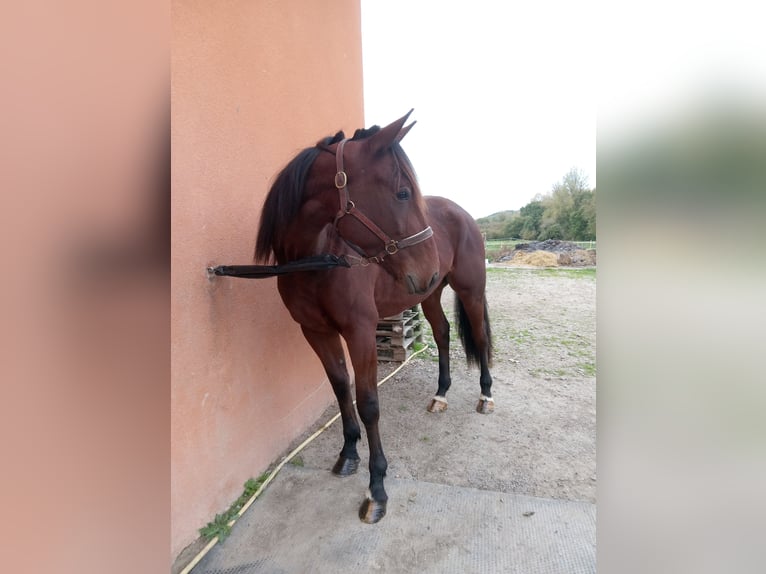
381 212
366 188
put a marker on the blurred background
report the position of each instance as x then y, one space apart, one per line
85 122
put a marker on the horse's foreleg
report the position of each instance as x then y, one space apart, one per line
364 356
432 309
329 350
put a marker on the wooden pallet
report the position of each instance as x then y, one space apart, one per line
395 335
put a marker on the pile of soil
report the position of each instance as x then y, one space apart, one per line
535 258
550 253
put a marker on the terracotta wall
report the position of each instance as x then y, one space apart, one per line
253 82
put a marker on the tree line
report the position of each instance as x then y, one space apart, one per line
567 212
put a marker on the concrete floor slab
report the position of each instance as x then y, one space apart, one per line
306 521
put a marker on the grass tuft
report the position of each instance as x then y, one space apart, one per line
220 524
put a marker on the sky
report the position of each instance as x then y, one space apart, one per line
504 94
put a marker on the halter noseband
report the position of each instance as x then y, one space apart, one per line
347 207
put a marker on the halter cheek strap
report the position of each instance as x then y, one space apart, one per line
347 207
341 182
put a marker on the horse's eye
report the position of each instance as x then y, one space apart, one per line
403 193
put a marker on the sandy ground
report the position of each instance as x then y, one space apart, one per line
541 439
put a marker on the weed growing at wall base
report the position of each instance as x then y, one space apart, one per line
220 525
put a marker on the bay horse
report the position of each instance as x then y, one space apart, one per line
359 199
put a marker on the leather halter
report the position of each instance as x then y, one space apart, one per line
347 207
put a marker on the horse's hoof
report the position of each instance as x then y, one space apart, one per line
485 406
372 511
437 405
345 466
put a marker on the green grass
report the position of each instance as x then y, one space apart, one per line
518 336
503 243
218 527
427 340
575 346
511 243
542 373
588 368
428 337
506 272
220 524
574 272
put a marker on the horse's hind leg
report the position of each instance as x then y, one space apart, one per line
486 403
329 350
473 321
432 309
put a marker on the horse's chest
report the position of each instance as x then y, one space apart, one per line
303 301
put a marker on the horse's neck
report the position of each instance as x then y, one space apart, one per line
310 234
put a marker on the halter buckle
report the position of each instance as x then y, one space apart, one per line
392 247
341 179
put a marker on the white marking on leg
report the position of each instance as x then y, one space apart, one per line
483 398
440 399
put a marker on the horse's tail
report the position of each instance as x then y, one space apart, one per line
472 351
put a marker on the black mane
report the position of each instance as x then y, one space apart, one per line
283 203
363 133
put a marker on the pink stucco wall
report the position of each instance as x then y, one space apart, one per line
253 82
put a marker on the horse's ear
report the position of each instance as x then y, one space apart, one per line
388 135
403 132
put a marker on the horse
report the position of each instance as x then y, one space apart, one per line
358 198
